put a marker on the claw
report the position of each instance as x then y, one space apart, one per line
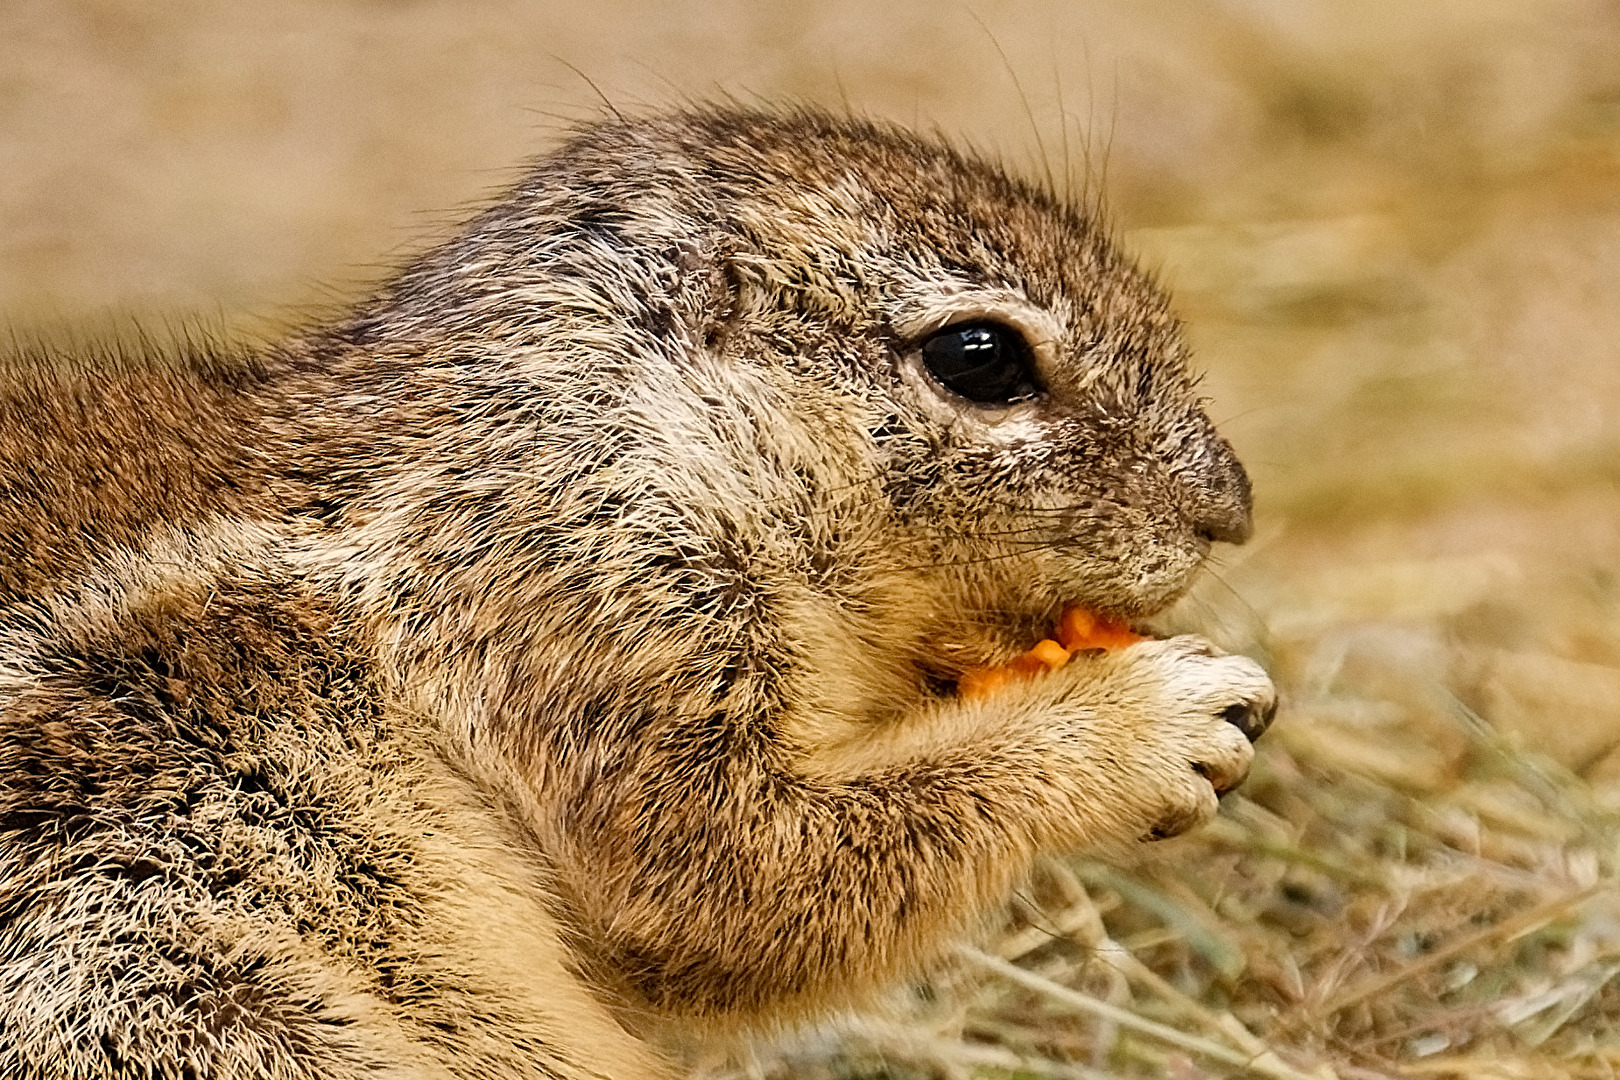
1249 719
1174 825
1221 784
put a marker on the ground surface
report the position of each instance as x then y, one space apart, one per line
1396 239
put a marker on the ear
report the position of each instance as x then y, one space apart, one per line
693 298
734 287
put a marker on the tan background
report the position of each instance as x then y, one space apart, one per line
1394 230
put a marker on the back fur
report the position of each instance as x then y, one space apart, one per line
552 660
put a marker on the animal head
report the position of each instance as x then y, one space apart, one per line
879 350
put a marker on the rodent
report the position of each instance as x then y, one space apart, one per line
553 656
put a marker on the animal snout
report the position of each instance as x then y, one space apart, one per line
1222 509
1225 524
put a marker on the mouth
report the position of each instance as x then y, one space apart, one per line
1138 588
1079 630
1117 586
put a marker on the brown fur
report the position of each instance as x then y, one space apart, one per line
554 655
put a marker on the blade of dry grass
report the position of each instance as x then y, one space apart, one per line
1515 927
1267 1064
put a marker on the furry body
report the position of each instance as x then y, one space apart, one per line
556 652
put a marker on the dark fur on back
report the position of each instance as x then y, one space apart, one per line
555 653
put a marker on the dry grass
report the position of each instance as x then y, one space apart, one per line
1400 890
1395 233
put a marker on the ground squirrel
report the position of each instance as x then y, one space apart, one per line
558 650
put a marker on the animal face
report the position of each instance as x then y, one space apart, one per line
849 308
1029 409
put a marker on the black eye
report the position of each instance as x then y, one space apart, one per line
983 362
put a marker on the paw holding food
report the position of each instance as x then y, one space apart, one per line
1078 630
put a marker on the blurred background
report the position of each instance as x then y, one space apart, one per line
1394 232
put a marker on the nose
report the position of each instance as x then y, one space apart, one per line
1222 508
1228 523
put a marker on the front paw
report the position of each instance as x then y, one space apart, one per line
1174 720
1215 707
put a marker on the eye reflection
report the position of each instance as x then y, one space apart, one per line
984 362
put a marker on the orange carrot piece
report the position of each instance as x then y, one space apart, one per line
1047 654
1078 630
982 682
